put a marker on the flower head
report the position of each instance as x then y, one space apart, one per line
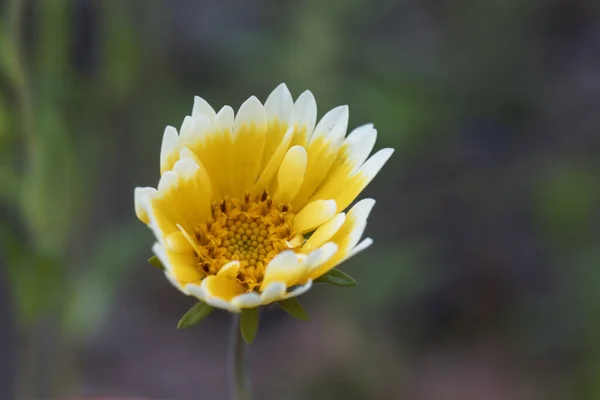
249 208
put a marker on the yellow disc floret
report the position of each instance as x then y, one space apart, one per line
252 231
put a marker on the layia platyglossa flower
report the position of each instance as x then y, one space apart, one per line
249 208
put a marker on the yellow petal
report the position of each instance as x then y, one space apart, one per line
313 215
181 266
229 270
291 174
177 243
275 161
222 287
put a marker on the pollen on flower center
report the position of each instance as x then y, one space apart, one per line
251 230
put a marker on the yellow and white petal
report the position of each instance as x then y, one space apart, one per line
247 300
160 252
355 184
182 198
194 129
229 270
313 215
279 104
284 267
162 223
357 249
360 143
167 182
356 221
275 291
322 151
201 107
224 119
348 235
266 177
298 290
291 174
278 109
140 195
332 127
181 266
203 177
304 117
198 292
353 153
194 196
195 289
173 281
219 291
249 136
211 142
320 256
324 232
169 150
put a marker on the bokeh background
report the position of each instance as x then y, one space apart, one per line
484 279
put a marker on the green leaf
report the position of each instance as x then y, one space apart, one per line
337 277
293 307
154 261
194 315
249 323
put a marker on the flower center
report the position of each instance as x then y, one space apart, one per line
252 230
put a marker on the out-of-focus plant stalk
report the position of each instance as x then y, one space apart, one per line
17 73
238 376
15 70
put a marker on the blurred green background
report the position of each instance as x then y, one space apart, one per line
484 279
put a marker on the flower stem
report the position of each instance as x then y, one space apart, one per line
237 369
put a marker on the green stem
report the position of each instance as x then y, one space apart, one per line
239 380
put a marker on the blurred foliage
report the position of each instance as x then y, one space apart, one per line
43 177
486 226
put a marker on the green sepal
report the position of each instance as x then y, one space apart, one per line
155 262
293 307
249 324
337 277
196 314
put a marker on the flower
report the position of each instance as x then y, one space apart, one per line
249 208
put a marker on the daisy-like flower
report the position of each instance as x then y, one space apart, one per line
249 208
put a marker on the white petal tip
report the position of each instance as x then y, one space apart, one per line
167 181
247 300
273 292
185 168
169 143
